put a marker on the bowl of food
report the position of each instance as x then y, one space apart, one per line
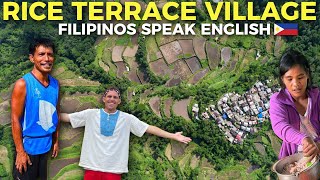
290 168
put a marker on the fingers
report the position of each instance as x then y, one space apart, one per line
24 167
182 138
21 167
186 140
306 142
310 149
54 153
29 161
22 162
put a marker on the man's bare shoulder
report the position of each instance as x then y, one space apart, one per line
20 83
19 88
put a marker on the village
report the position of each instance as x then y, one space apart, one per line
238 115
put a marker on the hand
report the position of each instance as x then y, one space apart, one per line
181 138
310 148
21 161
55 150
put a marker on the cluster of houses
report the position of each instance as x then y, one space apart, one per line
237 115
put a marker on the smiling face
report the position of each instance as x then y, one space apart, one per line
43 59
296 80
111 101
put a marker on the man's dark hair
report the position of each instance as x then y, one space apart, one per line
112 88
41 42
292 58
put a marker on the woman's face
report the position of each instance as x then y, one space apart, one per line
296 80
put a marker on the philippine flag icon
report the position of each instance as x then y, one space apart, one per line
286 29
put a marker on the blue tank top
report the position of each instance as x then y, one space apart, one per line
40 117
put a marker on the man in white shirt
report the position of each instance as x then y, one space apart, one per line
105 147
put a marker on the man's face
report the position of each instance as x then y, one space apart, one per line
111 101
296 80
42 59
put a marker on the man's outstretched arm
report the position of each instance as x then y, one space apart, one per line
64 117
175 136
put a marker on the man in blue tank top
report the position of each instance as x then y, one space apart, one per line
34 116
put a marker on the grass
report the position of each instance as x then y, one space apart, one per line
214 44
72 151
107 56
206 170
58 67
265 140
88 98
204 63
186 158
269 45
185 161
67 169
143 160
275 142
283 47
123 40
100 51
4 159
249 56
240 41
73 177
104 53
134 152
234 172
219 79
188 55
180 56
66 75
107 59
152 48
238 67
254 174
239 171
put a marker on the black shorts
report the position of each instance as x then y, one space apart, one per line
38 169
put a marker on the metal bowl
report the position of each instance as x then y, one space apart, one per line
311 173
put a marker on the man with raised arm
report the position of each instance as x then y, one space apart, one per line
105 147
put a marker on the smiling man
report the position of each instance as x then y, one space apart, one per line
105 147
34 114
